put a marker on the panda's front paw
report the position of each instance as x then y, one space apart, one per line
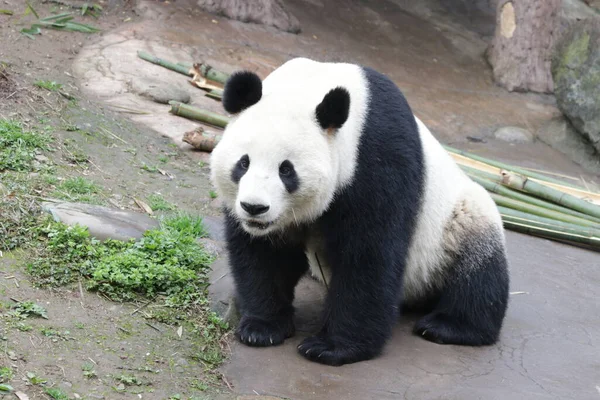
323 350
260 333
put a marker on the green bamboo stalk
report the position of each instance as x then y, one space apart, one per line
494 185
517 182
198 114
516 216
512 168
593 242
541 211
214 96
163 63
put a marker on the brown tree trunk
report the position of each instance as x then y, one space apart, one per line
266 12
521 50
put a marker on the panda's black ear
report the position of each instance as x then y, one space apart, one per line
333 110
242 90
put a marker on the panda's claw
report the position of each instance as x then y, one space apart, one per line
260 333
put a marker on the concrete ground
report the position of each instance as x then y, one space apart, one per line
549 348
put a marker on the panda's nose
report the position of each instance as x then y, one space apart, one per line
254 209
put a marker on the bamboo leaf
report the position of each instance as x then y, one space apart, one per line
29 32
57 16
31 9
5 12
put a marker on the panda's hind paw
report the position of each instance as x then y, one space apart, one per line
260 333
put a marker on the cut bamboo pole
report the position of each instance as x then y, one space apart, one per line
198 114
509 214
493 184
518 182
541 211
589 196
164 63
593 242
512 168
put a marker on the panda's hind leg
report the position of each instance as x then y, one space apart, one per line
474 296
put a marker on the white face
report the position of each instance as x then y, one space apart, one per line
273 171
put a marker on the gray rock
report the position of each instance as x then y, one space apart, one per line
514 134
559 134
576 74
158 91
266 12
102 222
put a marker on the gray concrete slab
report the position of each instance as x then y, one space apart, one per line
549 348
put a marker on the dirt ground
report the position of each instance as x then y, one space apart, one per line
128 138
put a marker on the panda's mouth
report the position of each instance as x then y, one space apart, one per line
258 225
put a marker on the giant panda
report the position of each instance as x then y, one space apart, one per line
324 167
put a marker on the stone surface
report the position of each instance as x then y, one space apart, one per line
560 134
514 134
266 12
102 222
576 72
548 347
158 91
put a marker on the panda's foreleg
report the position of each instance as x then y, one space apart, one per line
473 302
363 297
265 273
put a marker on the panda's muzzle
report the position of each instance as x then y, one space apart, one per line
258 225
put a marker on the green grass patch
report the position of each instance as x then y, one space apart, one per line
212 194
6 374
78 189
158 203
51 86
167 264
56 394
18 147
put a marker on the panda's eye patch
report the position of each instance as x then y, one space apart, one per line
244 161
288 176
286 168
240 168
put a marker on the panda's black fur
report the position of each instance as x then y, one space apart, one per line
367 251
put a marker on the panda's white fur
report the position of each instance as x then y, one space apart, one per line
456 218
282 125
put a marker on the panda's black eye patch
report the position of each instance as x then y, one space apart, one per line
288 176
240 168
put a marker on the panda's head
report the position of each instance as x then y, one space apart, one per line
275 166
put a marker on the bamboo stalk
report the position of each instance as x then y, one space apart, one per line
164 63
548 193
501 165
509 214
202 140
541 211
494 185
528 229
198 114
462 160
214 96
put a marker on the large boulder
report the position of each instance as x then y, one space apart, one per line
576 74
265 12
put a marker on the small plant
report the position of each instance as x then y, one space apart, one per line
51 86
158 203
18 147
149 168
88 370
212 194
56 394
29 308
6 374
186 223
163 159
34 379
24 327
79 325
129 380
